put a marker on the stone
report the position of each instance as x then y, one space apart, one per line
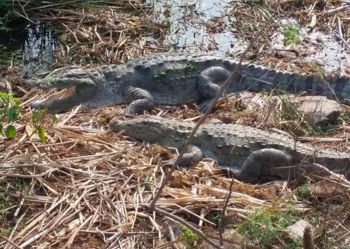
297 229
317 109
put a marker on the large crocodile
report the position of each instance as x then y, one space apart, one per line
249 153
164 79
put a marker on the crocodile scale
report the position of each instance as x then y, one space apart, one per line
171 79
249 153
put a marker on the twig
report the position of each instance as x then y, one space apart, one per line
321 139
189 225
331 11
14 230
28 176
10 242
221 223
341 33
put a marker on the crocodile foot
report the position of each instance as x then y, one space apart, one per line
138 107
204 106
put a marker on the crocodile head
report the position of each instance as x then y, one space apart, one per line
143 129
65 78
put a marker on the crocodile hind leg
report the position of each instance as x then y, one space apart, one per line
75 96
263 162
209 85
140 100
192 155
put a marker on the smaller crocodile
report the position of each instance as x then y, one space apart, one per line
250 154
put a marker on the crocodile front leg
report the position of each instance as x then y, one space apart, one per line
263 162
140 100
192 155
81 93
209 85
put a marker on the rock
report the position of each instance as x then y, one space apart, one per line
317 109
297 229
302 230
231 235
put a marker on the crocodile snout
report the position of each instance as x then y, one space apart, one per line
116 125
29 82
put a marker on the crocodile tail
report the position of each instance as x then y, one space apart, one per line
337 87
258 78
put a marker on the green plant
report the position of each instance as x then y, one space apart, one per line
216 218
4 201
290 112
303 191
189 68
189 237
8 203
4 205
148 182
291 34
318 69
265 226
37 117
10 113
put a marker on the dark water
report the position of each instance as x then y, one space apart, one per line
38 49
29 45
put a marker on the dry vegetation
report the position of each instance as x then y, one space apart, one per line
87 187
330 17
94 35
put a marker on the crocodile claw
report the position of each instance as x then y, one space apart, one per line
230 172
48 106
169 163
129 112
39 104
204 106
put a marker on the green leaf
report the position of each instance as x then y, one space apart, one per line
4 95
35 117
16 100
41 133
1 128
54 118
13 113
10 131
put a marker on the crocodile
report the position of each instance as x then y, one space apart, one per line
169 79
249 154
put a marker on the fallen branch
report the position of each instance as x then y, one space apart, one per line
189 225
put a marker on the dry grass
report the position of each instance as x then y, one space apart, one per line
330 17
86 180
94 34
89 186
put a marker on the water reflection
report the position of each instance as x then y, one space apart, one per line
39 46
189 22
